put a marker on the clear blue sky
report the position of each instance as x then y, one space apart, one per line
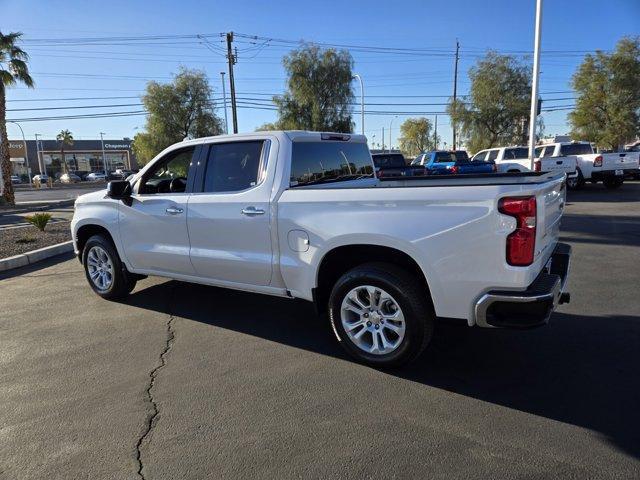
69 71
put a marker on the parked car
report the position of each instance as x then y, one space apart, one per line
15 180
69 178
301 215
42 177
96 177
394 165
516 159
633 173
439 162
608 168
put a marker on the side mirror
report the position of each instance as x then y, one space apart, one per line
119 190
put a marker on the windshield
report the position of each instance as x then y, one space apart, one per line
461 155
576 149
516 153
388 160
327 161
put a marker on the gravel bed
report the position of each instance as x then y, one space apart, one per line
12 241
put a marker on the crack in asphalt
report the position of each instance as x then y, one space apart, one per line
151 419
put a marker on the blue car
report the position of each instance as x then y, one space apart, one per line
444 162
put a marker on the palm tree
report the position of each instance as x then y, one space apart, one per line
64 138
13 69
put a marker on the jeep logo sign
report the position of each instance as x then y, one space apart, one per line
16 149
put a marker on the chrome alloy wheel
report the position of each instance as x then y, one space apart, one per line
100 268
372 320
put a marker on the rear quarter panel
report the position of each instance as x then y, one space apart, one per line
455 234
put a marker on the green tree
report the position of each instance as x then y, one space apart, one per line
608 96
13 69
64 138
177 110
416 136
319 95
496 111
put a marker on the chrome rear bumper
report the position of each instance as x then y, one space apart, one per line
533 306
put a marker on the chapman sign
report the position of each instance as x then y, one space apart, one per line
117 146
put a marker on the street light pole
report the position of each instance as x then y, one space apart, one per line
104 159
38 153
534 84
391 123
224 96
26 152
361 101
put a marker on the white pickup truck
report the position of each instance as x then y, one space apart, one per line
302 215
516 159
610 168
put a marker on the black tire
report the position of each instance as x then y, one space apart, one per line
612 183
413 300
122 282
579 182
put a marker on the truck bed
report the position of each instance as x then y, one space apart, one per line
459 180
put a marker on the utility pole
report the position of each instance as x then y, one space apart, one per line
435 134
455 89
534 84
232 61
382 139
224 96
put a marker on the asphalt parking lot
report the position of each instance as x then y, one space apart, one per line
187 381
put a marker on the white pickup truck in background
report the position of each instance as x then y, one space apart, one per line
609 168
516 159
302 215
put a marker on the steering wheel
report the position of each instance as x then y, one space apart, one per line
178 185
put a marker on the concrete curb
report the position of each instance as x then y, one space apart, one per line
34 256
37 207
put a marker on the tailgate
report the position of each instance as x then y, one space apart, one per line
559 164
619 161
551 201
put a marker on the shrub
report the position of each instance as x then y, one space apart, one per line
39 220
24 240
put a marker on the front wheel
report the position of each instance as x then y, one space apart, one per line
381 315
106 274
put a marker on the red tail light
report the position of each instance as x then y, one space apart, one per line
537 166
597 162
454 169
521 242
494 167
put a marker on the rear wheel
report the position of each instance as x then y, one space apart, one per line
577 182
613 182
105 272
381 315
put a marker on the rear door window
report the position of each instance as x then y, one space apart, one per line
493 154
233 166
480 156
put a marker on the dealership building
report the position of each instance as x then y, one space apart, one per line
84 156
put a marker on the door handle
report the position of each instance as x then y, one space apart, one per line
250 211
174 210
